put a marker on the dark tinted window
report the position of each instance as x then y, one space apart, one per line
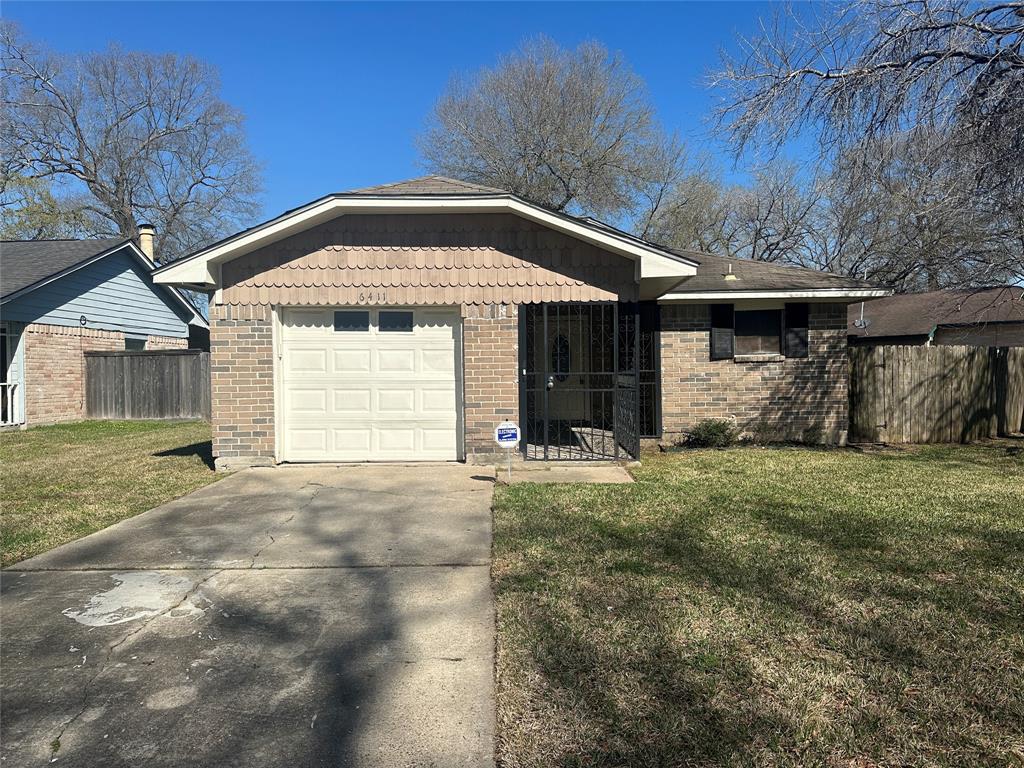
758 332
396 322
352 320
134 344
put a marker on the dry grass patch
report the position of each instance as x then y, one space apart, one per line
769 607
62 482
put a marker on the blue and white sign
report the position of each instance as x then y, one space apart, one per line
506 434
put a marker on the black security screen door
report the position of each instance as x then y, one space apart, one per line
579 396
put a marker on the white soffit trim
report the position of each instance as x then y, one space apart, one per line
197 269
811 293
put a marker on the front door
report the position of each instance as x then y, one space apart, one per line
578 381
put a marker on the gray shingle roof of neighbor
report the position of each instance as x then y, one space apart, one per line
23 263
917 314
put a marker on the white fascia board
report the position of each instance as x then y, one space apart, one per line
198 269
820 293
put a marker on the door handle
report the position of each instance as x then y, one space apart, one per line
551 382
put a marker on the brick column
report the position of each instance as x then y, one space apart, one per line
242 385
490 344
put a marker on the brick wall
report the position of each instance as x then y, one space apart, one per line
791 399
242 385
242 381
166 342
490 343
55 369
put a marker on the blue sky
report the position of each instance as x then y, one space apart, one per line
335 93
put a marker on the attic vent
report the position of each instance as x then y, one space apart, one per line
729 275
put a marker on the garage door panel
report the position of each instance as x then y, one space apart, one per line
438 361
437 400
439 439
352 361
396 360
396 438
311 402
306 361
355 400
308 440
395 402
352 443
370 395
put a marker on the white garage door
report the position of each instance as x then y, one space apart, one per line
369 385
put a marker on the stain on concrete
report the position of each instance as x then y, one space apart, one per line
140 595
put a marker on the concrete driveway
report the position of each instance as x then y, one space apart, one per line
295 616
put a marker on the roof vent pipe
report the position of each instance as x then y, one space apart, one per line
146 234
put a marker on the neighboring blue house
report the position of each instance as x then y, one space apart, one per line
62 298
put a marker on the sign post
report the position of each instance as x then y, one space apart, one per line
506 435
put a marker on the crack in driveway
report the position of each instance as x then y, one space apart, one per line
108 656
112 649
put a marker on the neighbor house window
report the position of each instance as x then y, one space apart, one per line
759 332
395 322
352 320
134 344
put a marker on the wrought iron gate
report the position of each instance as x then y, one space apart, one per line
579 396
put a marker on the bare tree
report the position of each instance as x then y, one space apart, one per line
572 130
900 210
146 137
917 107
771 219
859 71
694 215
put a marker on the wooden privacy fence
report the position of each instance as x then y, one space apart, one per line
164 384
935 394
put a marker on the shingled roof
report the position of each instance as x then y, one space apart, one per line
23 263
428 185
918 314
750 275
746 276
728 273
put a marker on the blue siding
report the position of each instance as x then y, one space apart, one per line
114 293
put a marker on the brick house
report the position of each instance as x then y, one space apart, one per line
404 322
62 298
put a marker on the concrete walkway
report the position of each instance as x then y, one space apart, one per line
296 616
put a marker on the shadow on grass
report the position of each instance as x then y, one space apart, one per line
203 450
711 634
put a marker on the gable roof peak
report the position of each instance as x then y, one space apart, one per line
428 185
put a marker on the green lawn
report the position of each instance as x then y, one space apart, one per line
62 482
767 607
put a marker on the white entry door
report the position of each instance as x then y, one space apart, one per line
369 384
